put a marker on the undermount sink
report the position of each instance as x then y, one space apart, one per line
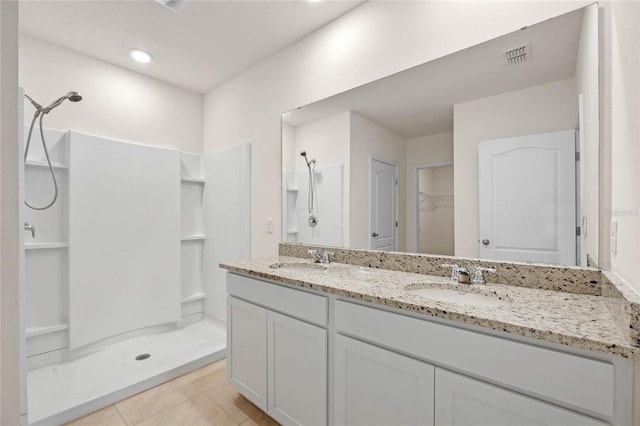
298 266
458 295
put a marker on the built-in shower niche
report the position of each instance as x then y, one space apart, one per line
46 253
290 203
193 236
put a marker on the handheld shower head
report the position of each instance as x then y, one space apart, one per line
304 154
73 96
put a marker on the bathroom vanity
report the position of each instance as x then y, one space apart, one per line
346 343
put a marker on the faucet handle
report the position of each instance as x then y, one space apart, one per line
455 271
450 265
315 255
326 257
478 276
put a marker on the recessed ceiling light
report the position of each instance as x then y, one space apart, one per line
140 55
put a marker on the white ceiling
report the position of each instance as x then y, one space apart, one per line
199 48
420 101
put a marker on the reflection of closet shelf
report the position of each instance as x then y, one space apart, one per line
192 179
40 246
35 163
193 297
38 331
196 237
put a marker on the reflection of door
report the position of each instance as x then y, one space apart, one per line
527 198
382 208
435 218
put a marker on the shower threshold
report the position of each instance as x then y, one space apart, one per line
60 393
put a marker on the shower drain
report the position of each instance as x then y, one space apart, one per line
142 357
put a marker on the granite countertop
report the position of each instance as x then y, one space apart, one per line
577 320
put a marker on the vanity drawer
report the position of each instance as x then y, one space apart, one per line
295 303
570 380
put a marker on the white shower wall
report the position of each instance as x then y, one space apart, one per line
327 206
47 256
226 220
124 238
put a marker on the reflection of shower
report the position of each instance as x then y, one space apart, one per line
40 112
313 221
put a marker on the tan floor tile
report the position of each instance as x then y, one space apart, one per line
197 411
260 419
156 400
106 417
206 377
231 401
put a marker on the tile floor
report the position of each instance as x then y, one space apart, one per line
201 397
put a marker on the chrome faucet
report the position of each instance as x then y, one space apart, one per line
28 226
477 277
456 271
321 256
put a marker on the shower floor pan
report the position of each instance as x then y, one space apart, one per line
59 393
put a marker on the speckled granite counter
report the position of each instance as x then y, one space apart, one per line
583 321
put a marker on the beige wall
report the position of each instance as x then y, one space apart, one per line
369 140
9 223
546 108
372 41
620 137
117 103
587 84
423 151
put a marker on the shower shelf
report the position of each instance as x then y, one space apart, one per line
40 246
195 237
192 179
193 297
292 231
38 331
292 189
35 163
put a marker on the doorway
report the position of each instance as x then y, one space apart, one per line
383 225
435 209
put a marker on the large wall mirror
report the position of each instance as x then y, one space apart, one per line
490 152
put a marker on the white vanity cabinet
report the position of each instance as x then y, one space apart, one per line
498 381
463 401
277 349
391 367
375 386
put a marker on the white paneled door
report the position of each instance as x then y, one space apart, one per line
383 209
527 198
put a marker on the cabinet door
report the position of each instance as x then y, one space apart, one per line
247 350
297 358
461 400
374 386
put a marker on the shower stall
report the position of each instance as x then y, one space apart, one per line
119 286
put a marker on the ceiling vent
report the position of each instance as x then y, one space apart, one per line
518 54
175 5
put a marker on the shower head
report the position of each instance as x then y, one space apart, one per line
304 154
74 96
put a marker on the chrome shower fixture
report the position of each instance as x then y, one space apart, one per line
313 220
41 112
72 96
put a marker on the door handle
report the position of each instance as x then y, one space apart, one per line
485 242
375 234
